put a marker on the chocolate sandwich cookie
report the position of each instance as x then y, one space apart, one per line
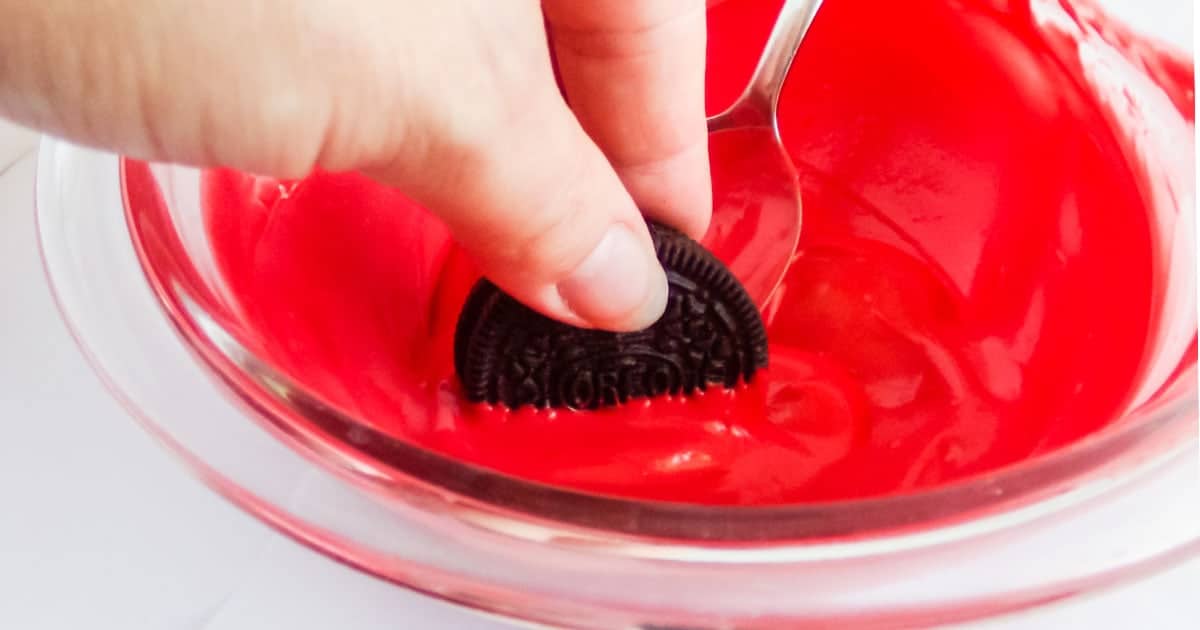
711 335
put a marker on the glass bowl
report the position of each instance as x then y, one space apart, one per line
140 290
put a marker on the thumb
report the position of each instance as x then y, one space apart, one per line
544 214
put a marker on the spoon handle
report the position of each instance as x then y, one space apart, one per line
756 105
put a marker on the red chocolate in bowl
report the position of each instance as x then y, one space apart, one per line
974 283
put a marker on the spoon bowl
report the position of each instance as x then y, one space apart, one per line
756 207
756 192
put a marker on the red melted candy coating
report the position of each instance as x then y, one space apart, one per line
973 287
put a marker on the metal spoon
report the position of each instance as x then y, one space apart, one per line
756 192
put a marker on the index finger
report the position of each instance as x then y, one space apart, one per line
633 71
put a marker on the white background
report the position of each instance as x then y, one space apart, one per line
99 529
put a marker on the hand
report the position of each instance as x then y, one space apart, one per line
453 102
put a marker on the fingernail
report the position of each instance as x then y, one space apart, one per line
619 286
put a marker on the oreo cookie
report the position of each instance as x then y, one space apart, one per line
711 335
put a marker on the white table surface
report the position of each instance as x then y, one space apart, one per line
100 529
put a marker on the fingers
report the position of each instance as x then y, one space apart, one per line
548 220
528 193
633 71
452 102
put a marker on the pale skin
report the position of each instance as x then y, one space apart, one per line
453 102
